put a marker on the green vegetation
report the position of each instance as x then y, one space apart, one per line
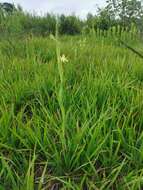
71 107
71 114
121 15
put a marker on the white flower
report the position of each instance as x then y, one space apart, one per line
64 59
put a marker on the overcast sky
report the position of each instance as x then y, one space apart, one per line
79 7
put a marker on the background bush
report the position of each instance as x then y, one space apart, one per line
122 16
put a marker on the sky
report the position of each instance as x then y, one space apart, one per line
78 7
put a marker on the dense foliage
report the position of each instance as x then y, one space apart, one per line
71 114
71 107
121 14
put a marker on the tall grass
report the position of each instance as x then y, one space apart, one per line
70 125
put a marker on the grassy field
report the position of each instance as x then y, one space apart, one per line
71 114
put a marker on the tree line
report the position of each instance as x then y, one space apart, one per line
119 15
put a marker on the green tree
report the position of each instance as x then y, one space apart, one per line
71 25
7 7
106 18
127 11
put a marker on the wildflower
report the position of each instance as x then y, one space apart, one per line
64 59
